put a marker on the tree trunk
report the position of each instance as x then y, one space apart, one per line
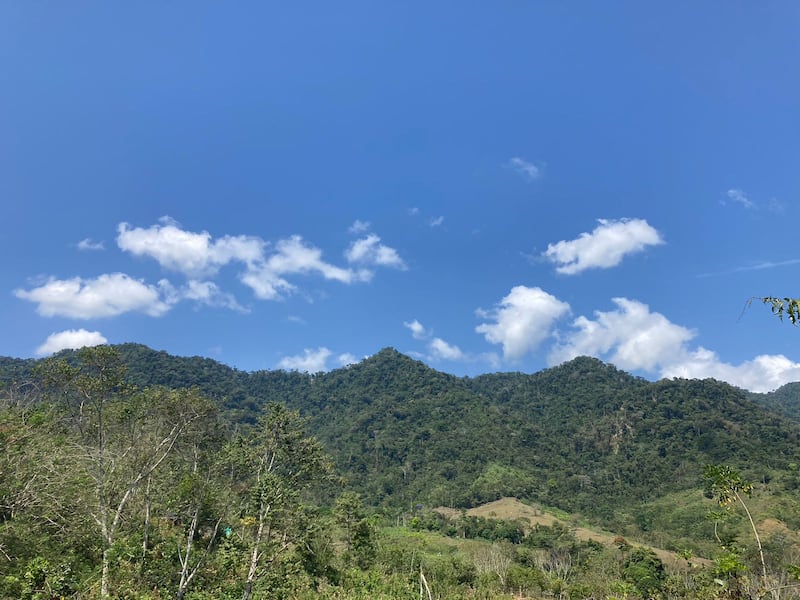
248 589
146 536
185 576
104 576
251 573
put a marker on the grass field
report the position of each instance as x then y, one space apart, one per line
513 509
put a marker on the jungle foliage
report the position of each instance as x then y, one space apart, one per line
126 472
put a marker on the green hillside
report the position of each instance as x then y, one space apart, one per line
583 436
113 459
785 400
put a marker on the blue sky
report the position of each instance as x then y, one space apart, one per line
484 186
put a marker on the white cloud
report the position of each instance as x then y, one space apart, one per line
605 247
522 320
209 293
311 361
185 251
436 222
90 245
347 359
437 347
634 338
199 255
370 251
413 211
265 284
767 265
359 226
294 256
441 349
737 196
528 170
762 374
72 339
775 206
418 332
631 337
106 296
740 197
492 359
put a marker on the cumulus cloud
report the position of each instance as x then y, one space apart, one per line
346 359
265 269
185 251
636 339
209 294
418 332
436 222
359 226
265 284
762 374
311 361
441 349
370 251
72 339
105 296
631 337
604 247
437 347
294 255
90 245
528 170
197 254
740 198
521 320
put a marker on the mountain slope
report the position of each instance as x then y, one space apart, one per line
583 436
785 400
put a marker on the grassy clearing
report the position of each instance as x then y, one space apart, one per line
513 509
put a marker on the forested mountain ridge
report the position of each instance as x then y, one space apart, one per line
785 400
583 436
181 453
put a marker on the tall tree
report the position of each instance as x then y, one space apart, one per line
200 498
275 465
120 435
727 487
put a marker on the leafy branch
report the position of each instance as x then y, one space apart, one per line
780 307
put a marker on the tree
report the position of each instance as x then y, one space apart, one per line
195 496
199 498
120 435
34 514
349 510
275 464
645 570
727 486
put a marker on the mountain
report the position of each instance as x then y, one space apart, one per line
785 400
583 436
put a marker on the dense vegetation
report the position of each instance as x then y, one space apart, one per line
785 400
126 472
